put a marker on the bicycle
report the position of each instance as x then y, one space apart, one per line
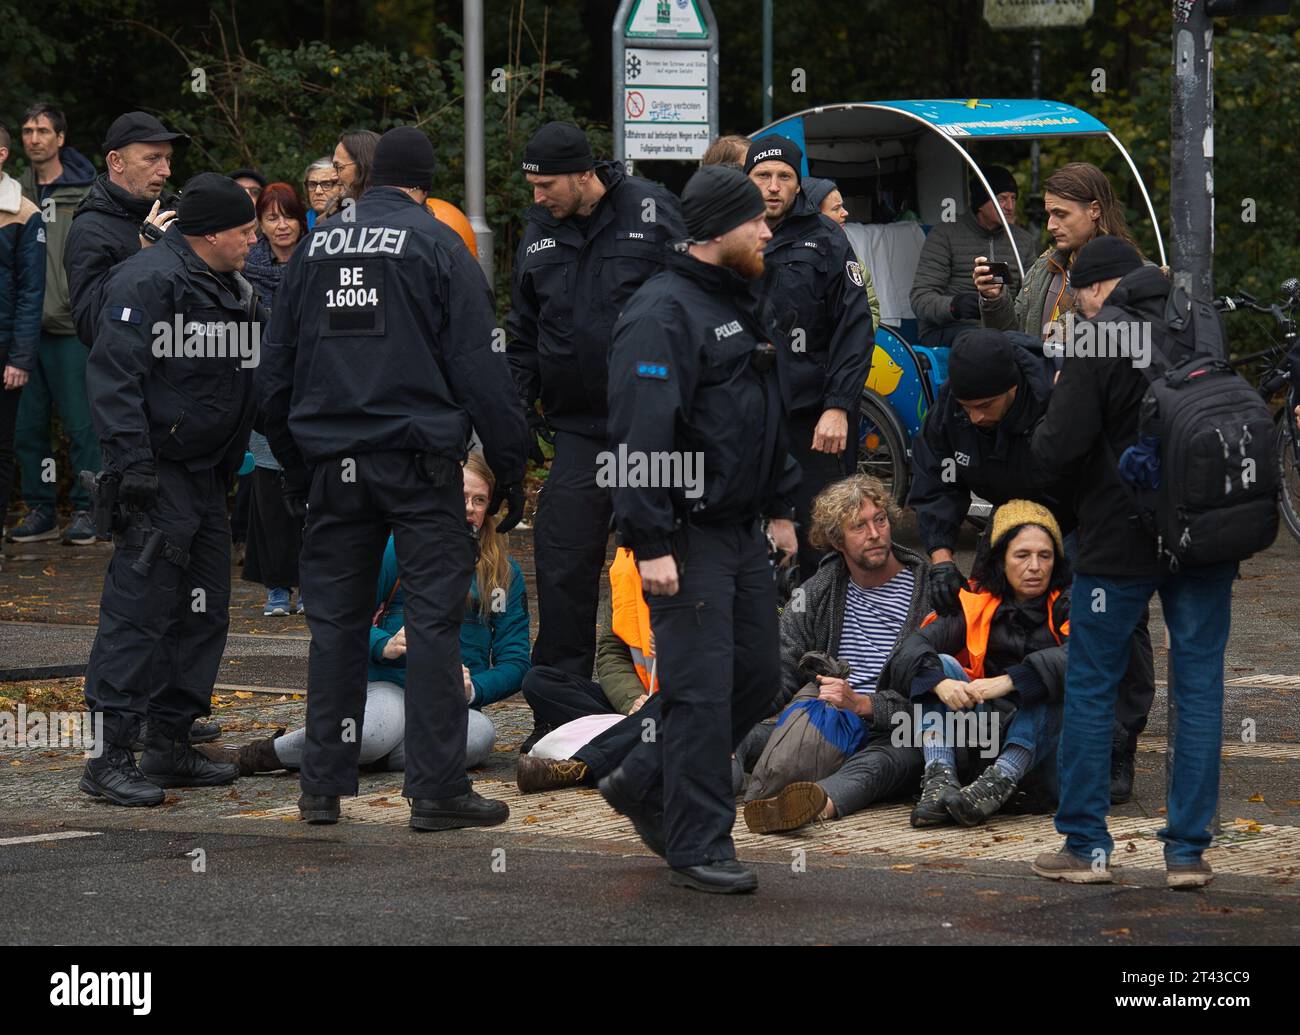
1275 379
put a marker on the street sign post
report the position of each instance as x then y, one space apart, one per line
665 79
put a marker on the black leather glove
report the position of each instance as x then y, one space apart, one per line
295 485
965 306
514 495
946 581
538 428
139 486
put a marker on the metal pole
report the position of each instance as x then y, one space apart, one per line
1036 50
1191 118
767 62
475 84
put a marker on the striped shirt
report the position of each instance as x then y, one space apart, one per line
873 620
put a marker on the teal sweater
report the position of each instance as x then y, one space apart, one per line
494 649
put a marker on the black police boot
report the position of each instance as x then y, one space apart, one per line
170 761
204 732
319 808
1123 748
646 820
200 733
115 776
470 809
721 877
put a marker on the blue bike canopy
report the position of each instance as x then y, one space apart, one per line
843 139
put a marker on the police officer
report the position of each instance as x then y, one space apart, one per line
976 440
170 386
814 285
380 357
594 235
692 384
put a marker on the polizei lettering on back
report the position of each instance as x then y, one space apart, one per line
357 240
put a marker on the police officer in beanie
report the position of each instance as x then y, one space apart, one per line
170 386
814 285
594 235
974 441
380 359
692 385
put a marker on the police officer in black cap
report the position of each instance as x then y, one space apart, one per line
975 441
379 359
594 235
170 387
814 285
127 208
693 388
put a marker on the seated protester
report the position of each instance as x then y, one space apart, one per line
943 297
625 681
493 650
1004 654
625 684
867 596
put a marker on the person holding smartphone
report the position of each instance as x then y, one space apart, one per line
1080 205
942 296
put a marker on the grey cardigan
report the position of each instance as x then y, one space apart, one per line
813 621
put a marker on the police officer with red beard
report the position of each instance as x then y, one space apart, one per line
692 375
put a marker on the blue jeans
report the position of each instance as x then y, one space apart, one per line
1198 610
1035 727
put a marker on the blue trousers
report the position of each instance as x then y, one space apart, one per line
1198 609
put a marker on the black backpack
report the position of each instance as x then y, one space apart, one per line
1219 481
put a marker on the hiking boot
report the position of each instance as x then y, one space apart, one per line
257 756
470 809
277 603
548 774
200 733
1122 753
172 762
37 527
937 785
720 877
1188 875
1075 869
80 530
794 807
319 808
115 777
981 798
646 820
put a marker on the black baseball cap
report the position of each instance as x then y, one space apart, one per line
139 127
248 174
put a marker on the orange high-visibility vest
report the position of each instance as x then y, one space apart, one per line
631 622
979 609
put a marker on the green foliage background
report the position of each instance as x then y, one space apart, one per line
283 79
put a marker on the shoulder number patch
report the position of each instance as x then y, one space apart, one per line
854 270
656 371
125 314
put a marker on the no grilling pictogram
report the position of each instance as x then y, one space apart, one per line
635 104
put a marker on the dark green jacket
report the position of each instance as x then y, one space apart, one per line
67 191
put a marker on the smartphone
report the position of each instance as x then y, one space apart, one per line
1000 272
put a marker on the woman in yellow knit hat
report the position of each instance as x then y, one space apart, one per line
987 684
